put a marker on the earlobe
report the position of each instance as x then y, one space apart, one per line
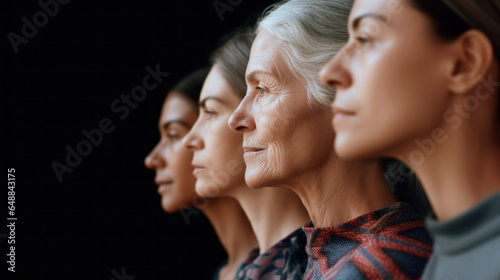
473 61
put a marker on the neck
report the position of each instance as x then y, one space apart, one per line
273 212
460 168
340 191
232 228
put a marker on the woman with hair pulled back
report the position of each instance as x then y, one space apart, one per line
276 214
359 230
419 81
175 180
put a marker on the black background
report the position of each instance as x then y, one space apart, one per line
105 215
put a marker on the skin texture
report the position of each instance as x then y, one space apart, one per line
219 167
174 175
218 152
169 158
404 92
402 70
281 132
289 144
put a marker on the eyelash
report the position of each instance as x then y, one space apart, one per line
173 136
209 113
362 41
261 90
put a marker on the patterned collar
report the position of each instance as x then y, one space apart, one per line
287 259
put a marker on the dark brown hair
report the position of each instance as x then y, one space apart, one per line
190 86
449 25
446 23
232 57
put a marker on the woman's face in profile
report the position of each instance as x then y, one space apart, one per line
218 160
170 159
283 136
390 81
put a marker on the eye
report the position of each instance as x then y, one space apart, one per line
172 136
261 90
362 41
210 114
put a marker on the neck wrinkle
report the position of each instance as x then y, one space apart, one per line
274 213
341 191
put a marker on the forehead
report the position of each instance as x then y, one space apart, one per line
178 107
370 5
265 56
388 9
217 86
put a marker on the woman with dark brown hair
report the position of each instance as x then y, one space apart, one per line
418 81
176 183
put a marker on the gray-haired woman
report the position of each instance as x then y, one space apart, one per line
358 229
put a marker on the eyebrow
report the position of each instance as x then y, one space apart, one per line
203 102
169 123
356 22
251 76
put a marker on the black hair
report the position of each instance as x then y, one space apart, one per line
232 57
446 23
405 185
190 86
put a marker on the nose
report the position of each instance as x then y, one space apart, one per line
155 159
192 140
241 120
335 74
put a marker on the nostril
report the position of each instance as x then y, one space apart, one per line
240 128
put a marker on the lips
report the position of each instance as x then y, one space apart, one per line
163 185
340 114
338 110
198 168
249 151
163 182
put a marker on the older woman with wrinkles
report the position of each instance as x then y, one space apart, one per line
358 229
276 214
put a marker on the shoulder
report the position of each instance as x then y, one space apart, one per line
396 246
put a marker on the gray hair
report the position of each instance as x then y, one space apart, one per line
311 33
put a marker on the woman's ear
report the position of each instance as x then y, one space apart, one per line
473 60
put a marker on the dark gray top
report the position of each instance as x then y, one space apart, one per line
468 246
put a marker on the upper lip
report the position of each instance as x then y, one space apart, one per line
162 182
338 110
196 165
251 149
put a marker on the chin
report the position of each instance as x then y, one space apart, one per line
170 207
346 149
207 189
255 179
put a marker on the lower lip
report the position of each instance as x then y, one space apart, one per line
198 170
339 117
163 187
252 153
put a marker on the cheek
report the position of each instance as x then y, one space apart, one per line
225 155
391 92
275 119
408 91
225 144
182 193
180 162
